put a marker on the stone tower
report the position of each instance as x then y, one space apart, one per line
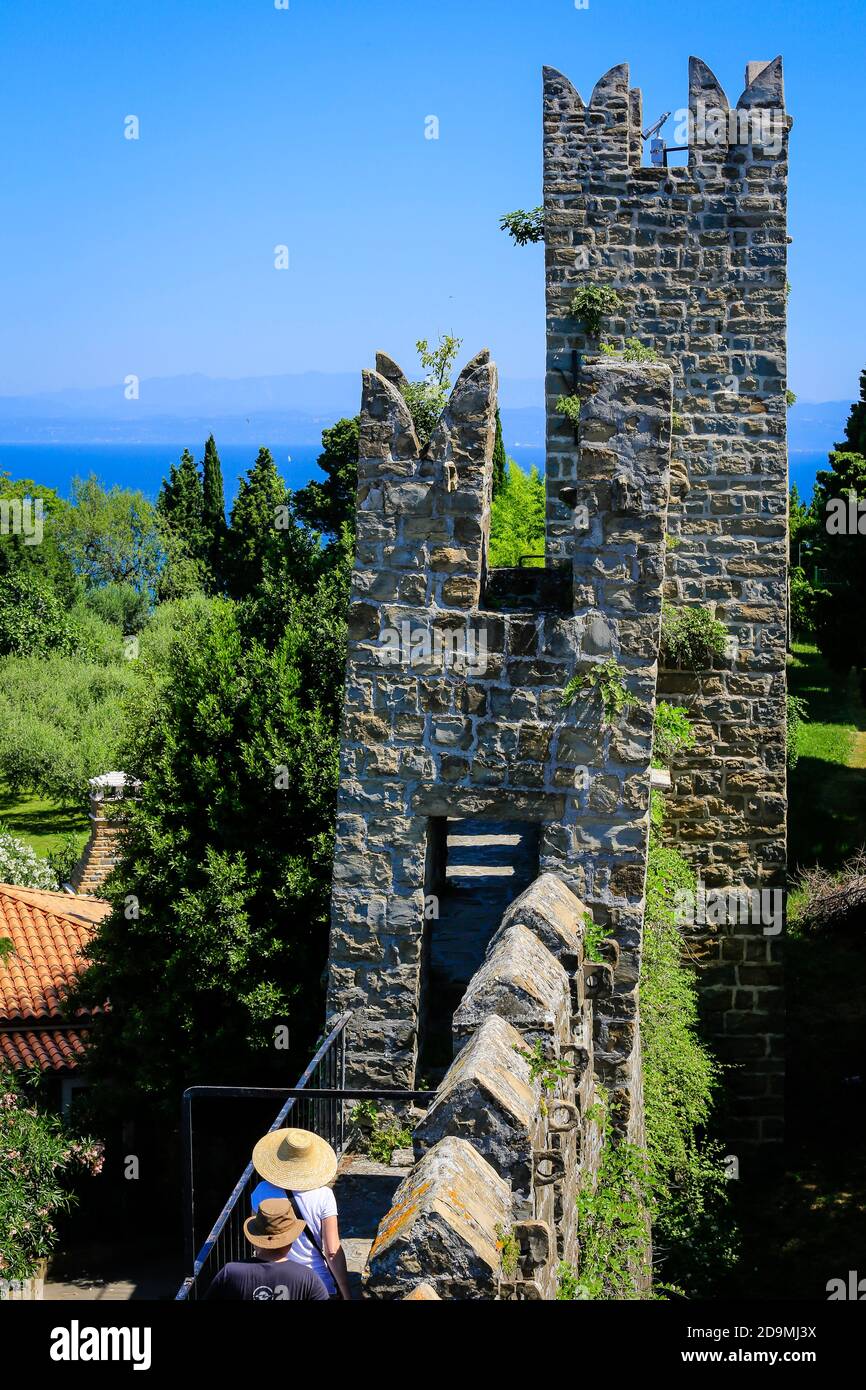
698 255
456 672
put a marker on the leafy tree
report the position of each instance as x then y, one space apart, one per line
213 514
46 559
328 506
228 858
517 517
111 535
841 560
60 723
33 620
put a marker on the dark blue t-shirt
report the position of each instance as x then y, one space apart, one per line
264 1281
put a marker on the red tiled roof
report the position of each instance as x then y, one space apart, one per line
50 1051
48 932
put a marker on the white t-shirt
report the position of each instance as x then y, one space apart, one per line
314 1206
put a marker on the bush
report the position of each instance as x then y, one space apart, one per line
64 860
33 621
121 605
803 600
692 637
39 1158
517 518
21 865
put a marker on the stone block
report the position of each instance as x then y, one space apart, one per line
443 1228
488 1097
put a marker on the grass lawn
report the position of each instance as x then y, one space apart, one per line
827 789
39 823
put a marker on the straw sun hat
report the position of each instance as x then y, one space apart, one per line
295 1159
274 1225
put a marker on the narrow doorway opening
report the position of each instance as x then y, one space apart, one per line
474 871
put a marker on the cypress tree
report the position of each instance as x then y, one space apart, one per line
499 458
181 503
256 525
855 430
214 513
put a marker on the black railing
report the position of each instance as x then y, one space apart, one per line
317 1103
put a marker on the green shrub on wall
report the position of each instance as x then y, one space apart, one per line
693 1234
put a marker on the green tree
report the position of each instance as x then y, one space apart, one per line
517 518
261 520
500 459
840 558
228 858
213 514
33 620
61 719
111 535
328 506
45 559
855 429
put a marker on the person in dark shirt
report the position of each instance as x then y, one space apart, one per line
272 1275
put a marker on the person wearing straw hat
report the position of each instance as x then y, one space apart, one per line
272 1231
299 1165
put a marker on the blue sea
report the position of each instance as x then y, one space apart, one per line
144 466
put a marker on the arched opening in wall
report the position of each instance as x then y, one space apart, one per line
474 870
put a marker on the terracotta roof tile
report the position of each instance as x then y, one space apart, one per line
48 932
50 1051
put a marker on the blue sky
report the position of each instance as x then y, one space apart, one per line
305 127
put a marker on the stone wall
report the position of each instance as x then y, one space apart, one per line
426 738
698 256
488 1211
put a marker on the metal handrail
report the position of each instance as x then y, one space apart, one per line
217 1237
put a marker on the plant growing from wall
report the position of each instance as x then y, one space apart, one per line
688 1183
591 303
593 936
612 1222
509 1251
569 406
380 1133
604 681
632 351
672 733
547 1071
524 226
691 637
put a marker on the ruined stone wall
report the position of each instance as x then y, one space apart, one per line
425 739
698 256
489 1209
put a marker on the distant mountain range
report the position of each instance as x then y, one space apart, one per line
253 410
